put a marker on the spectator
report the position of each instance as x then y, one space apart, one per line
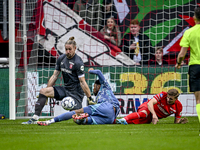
137 45
111 32
108 11
159 61
90 11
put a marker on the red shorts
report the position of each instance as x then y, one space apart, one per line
148 119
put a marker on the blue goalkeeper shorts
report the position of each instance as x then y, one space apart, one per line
102 113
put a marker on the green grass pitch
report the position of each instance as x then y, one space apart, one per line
67 135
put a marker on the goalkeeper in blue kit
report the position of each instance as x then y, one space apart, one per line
103 111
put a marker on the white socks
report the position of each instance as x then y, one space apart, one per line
36 117
51 121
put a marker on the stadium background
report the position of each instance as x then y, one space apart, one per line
162 21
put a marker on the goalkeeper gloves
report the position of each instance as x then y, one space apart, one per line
91 101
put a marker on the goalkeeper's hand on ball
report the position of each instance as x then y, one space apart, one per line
183 120
91 101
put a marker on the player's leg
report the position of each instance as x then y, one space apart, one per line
139 117
132 118
136 115
60 93
44 94
197 96
102 113
82 116
80 113
62 117
77 109
67 115
194 82
97 114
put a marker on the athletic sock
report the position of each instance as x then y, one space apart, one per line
198 110
40 104
36 117
64 116
51 121
135 115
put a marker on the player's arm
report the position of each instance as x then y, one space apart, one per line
97 72
150 104
84 86
178 115
181 56
53 78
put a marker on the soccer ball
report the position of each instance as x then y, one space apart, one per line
68 103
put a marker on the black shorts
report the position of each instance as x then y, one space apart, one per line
60 92
194 78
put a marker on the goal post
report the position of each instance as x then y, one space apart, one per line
12 100
49 23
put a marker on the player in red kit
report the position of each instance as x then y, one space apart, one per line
160 106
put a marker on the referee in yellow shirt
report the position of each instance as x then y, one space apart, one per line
191 38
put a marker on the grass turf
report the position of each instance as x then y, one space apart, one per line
67 135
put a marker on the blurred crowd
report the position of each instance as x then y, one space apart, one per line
104 18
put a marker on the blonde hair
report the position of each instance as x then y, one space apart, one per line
71 41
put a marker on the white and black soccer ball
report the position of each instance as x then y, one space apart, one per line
68 103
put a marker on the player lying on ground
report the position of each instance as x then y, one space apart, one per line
104 112
160 106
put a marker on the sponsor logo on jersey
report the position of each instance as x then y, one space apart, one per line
82 68
162 110
70 66
161 95
71 63
65 70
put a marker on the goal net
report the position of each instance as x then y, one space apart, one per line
43 26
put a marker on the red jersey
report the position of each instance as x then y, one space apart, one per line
163 109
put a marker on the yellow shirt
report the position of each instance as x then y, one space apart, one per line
191 38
